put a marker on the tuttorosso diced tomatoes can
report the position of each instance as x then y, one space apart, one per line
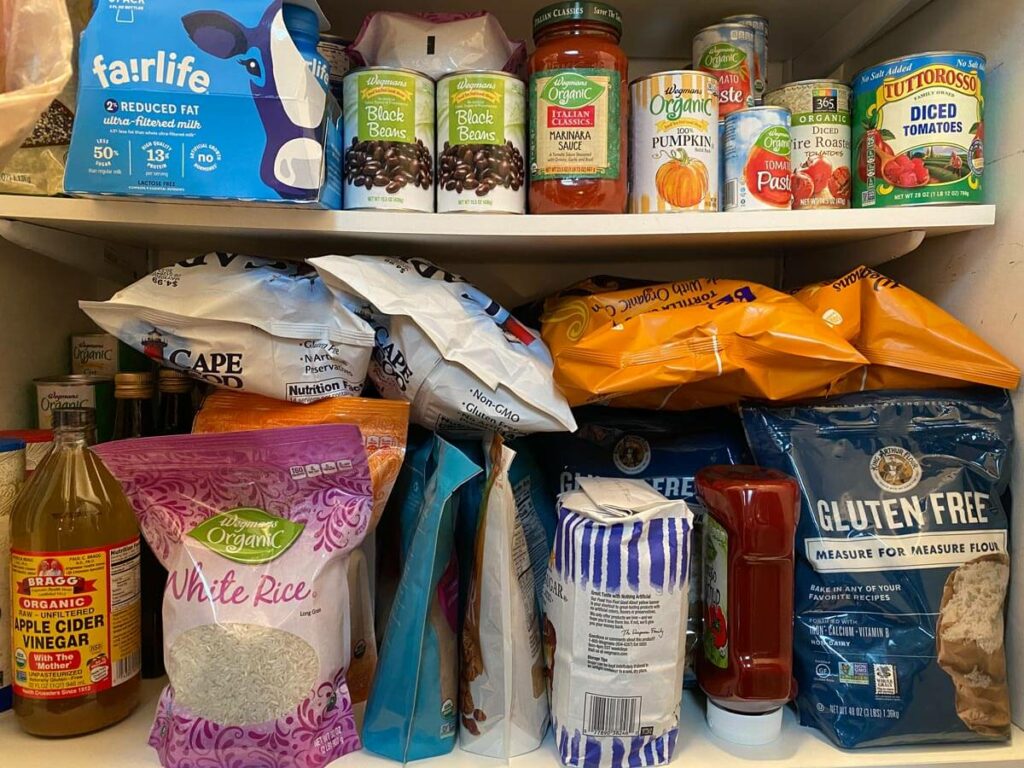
820 132
674 151
758 160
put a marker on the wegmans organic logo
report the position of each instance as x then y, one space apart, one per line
247 535
572 91
722 56
775 140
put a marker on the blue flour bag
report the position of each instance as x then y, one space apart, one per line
412 712
902 565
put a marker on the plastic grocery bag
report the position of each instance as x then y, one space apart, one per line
242 323
436 43
35 64
412 712
467 366
691 344
910 342
504 701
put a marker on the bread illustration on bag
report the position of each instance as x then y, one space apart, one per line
969 639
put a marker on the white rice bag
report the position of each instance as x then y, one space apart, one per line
243 323
467 366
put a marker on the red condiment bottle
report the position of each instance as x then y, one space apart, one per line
746 664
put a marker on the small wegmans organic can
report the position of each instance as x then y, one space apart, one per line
820 133
54 393
674 150
757 159
481 141
760 26
727 52
919 130
389 139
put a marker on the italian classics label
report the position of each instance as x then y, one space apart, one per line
716 593
387 107
75 620
574 125
476 110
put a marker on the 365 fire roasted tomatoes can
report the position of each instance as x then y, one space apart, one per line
758 160
727 51
674 151
919 130
820 132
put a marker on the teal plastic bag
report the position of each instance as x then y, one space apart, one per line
413 708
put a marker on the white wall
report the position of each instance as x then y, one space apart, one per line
38 313
979 276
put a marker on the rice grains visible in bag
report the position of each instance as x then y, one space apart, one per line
901 569
413 707
467 366
504 702
241 323
254 529
909 342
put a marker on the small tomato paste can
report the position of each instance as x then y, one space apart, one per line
760 26
919 130
389 140
757 160
56 392
727 52
674 151
820 132
481 141
333 50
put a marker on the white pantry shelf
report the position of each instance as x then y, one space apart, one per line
276 231
124 746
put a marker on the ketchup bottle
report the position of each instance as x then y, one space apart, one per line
746 664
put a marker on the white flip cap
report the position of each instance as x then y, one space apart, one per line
740 728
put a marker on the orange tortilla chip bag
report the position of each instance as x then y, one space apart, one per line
909 342
384 424
691 343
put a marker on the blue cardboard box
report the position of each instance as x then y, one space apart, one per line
204 100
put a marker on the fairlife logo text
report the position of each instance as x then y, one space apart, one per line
163 68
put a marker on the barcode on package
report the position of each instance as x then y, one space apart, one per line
127 667
611 715
732 193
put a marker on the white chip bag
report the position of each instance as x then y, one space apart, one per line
242 323
467 366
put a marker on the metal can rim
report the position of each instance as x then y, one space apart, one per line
404 70
758 108
732 17
809 81
73 378
495 72
720 26
911 56
663 73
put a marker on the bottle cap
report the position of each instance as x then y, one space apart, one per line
74 418
133 386
578 10
744 728
174 382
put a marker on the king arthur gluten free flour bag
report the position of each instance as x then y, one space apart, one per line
615 609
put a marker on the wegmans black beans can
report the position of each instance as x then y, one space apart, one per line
389 140
481 142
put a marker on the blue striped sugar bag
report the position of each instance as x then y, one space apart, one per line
615 606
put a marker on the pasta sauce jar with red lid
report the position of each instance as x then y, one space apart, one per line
578 110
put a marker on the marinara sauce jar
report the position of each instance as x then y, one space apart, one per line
579 110
746 663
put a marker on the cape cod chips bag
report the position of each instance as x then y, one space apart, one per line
268 327
691 344
902 510
254 529
909 342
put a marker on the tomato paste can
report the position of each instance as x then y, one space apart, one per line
389 140
76 391
481 143
727 52
757 160
919 130
674 151
820 133
760 26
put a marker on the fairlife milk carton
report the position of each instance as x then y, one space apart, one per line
206 100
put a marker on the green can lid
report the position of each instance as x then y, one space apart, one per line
577 10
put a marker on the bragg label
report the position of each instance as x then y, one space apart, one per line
758 160
75 620
727 51
574 124
919 130
674 157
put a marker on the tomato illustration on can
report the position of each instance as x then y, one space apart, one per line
758 163
727 51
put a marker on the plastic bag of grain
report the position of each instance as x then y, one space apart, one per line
255 529
12 475
35 64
